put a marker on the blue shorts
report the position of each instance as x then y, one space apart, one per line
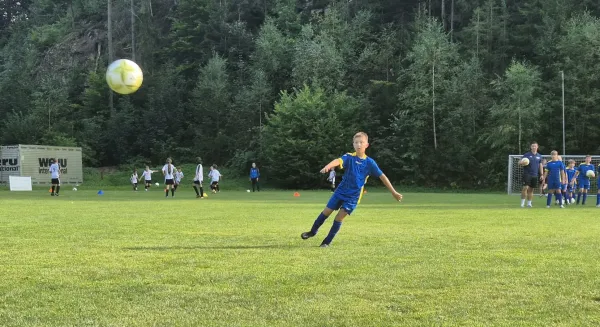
336 202
570 188
554 185
583 183
564 187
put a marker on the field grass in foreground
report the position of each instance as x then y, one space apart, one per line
236 259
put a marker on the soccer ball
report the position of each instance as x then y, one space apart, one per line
572 201
248 191
124 76
74 189
524 162
157 184
590 174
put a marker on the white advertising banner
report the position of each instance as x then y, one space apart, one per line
34 161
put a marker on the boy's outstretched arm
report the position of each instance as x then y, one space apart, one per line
334 163
389 186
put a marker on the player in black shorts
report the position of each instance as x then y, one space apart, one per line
169 173
532 174
55 174
198 179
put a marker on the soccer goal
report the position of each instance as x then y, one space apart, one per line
515 172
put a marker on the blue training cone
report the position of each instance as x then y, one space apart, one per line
100 192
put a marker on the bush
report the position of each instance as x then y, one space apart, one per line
307 130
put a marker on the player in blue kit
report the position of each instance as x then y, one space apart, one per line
598 183
254 176
563 184
553 174
358 167
582 180
570 171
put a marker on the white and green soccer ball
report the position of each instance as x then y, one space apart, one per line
590 174
156 184
124 76
572 201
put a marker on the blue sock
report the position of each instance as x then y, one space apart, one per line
598 199
549 199
334 229
584 198
318 222
559 198
578 197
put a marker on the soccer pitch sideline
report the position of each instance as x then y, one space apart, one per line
237 259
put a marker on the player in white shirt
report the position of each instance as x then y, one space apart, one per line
147 174
331 179
168 171
198 179
55 174
215 178
178 177
134 179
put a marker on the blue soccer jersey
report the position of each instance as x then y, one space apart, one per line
554 169
583 169
356 172
570 174
582 180
254 173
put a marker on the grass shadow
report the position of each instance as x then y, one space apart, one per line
216 247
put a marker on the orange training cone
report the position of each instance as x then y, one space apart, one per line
296 194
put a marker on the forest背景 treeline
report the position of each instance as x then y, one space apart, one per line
446 89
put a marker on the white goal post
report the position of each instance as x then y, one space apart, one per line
515 172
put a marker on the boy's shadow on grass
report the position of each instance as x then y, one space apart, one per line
216 247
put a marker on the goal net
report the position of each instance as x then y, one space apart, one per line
515 172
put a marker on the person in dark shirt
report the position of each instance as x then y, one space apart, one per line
532 173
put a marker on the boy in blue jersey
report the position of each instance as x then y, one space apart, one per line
582 180
358 167
598 184
553 174
570 171
563 183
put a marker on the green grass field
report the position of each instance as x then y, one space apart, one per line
236 259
